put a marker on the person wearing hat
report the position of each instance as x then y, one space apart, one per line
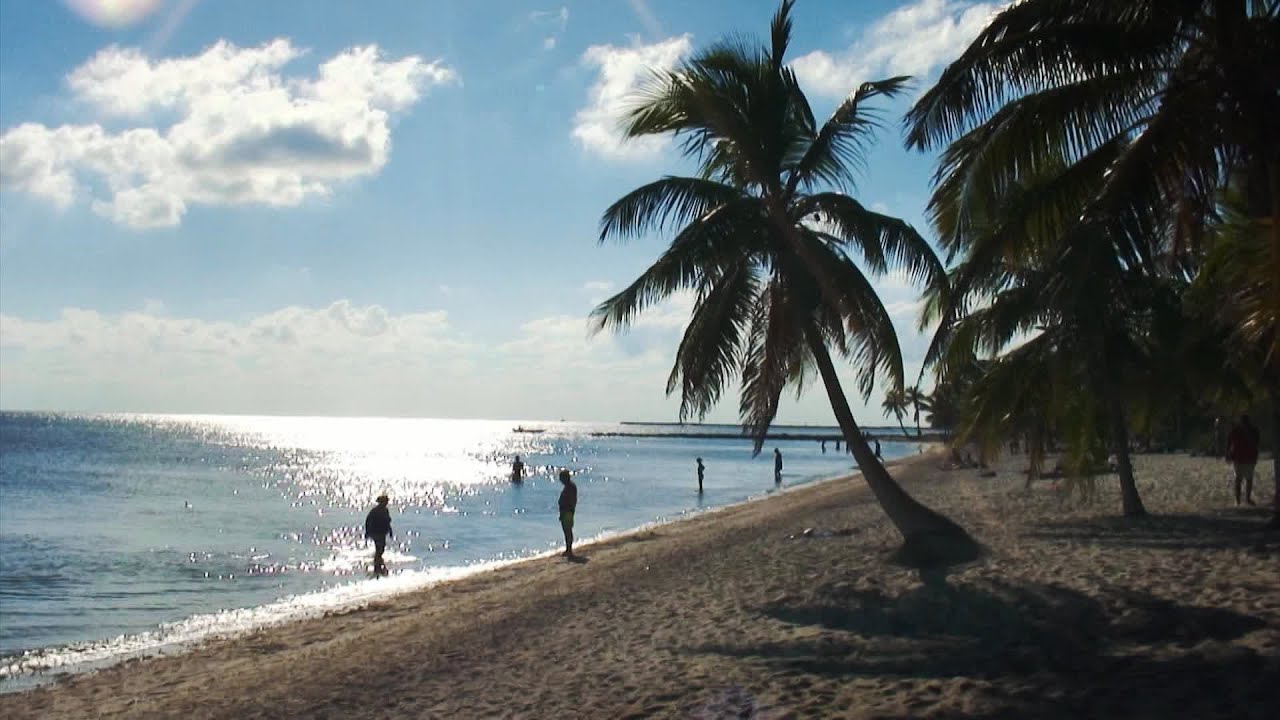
377 527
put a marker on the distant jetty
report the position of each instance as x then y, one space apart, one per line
827 436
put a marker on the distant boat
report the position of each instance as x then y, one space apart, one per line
522 429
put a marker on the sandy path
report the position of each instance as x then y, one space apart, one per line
739 614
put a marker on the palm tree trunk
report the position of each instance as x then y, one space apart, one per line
1130 501
913 520
1274 524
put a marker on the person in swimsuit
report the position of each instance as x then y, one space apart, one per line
568 504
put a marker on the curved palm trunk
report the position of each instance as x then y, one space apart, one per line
1130 501
916 522
904 427
1274 523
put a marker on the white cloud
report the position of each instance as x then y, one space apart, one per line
913 40
225 127
558 20
343 357
597 286
622 71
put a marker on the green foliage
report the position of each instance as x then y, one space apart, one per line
773 251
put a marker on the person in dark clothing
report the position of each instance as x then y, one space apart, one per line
1242 451
568 505
878 449
777 465
377 527
701 470
517 470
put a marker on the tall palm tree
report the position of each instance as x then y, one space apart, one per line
1069 293
920 402
1155 106
765 240
895 403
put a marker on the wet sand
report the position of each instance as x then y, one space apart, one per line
786 608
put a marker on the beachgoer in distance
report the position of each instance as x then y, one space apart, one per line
878 449
517 470
568 505
777 465
824 447
1242 451
377 527
701 470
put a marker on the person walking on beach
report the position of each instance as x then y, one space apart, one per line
377 527
878 449
777 465
1242 451
517 470
568 505
701 470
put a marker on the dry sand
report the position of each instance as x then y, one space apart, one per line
1075 613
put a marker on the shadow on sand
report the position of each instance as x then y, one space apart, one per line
1067 651
1238 529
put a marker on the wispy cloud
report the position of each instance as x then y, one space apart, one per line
554 21
916 39
622 71
242 132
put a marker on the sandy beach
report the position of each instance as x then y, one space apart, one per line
786 608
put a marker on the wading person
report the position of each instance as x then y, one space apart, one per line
377 527
701 469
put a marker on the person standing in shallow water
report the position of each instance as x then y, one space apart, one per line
701 469
777 465
1242 451
517 470
568 505
377 527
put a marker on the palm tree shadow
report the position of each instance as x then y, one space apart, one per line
1226 530
999 629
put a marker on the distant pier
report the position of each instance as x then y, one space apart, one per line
814 436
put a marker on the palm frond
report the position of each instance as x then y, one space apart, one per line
772 358
664 203
839 149
884 242
710 348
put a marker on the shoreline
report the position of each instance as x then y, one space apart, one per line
30 680
785 607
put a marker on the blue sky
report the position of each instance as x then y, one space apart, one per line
315 208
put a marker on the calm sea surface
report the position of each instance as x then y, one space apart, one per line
128 534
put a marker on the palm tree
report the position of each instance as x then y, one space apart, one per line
895 403
1154 106
920 402
1188 85
766 247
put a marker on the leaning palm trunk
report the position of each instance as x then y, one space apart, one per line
1130 500
930 538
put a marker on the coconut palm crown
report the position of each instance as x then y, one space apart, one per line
776 254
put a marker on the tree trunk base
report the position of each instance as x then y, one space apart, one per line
937 550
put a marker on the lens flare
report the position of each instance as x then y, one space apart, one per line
113 13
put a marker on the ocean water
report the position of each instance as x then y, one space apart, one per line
131 534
